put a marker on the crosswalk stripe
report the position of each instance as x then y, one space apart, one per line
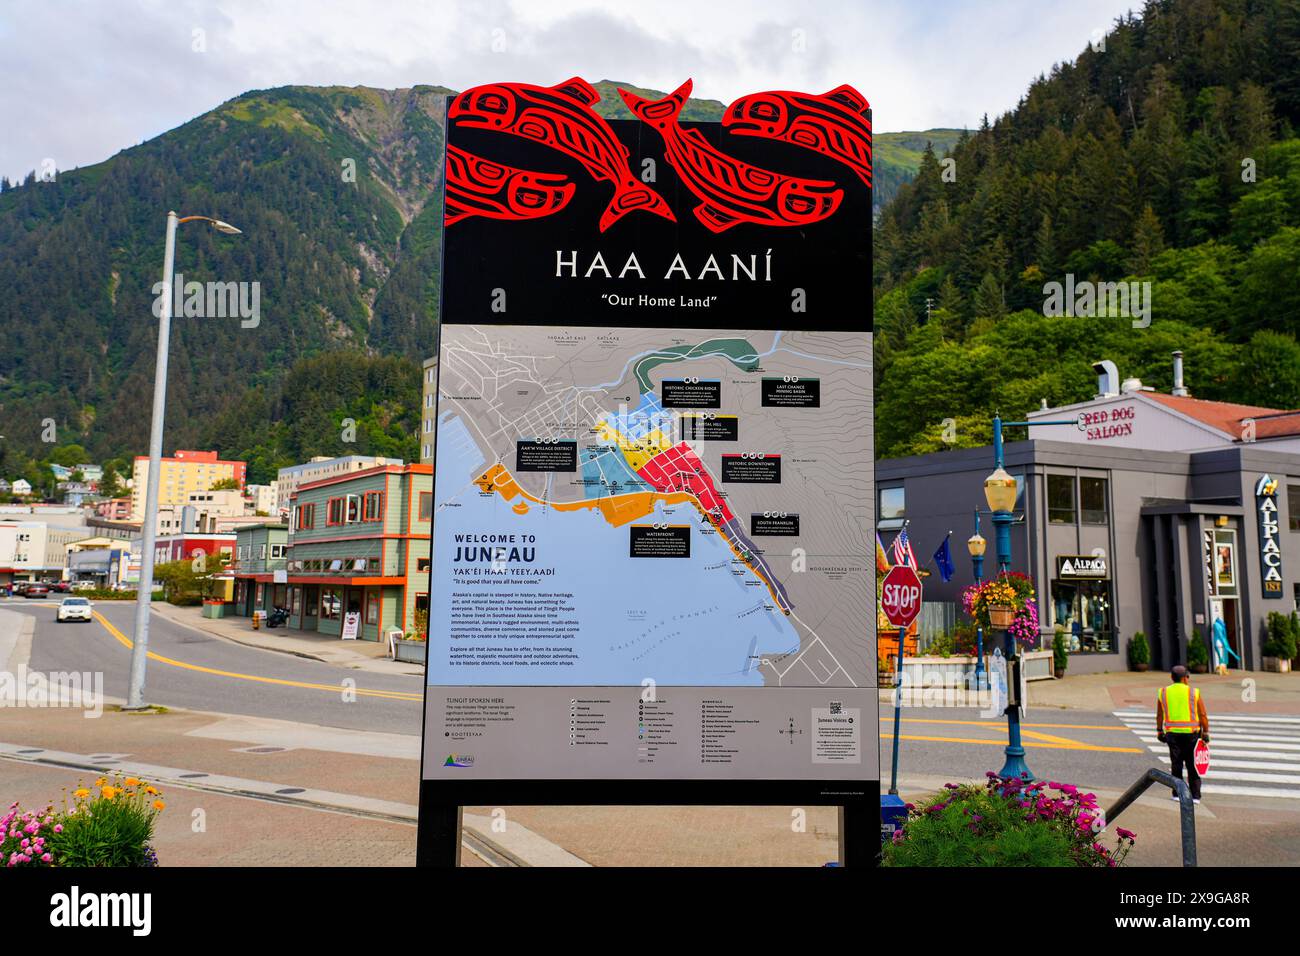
1244 750
1243 718
1252 791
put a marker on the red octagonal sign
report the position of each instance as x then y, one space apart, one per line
900 596
1202 758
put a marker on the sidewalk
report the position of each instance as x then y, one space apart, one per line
1258 692
356 655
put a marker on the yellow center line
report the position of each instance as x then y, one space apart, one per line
1069 745
884 718
331 688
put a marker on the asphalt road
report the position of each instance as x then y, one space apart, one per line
1091 749
204 672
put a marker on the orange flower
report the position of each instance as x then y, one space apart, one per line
132 782
100 782
159 805
81 793
110 792
151 791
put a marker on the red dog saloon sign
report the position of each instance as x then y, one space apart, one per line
618 217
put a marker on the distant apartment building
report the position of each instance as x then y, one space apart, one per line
205 512
262 498
35 550
181 475
428 404
320 468
114 509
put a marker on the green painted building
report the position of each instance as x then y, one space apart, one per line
359 552
261 561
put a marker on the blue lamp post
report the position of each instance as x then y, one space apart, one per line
976 545
1000 493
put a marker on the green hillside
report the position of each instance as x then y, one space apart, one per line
1169 158
896 157
337 192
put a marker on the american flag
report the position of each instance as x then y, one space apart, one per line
903 550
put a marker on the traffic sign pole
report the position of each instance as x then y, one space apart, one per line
898 710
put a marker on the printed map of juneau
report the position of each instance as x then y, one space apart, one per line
684 506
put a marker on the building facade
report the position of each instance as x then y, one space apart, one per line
261 560
359 547
428 404
181 475
1155 513
321 468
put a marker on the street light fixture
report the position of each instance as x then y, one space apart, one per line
144 590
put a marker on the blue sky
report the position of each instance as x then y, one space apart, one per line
84 79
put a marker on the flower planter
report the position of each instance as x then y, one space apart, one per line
413 652
1001 616
1278 665
214 609
1140 667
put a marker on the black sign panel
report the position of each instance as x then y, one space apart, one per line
546 456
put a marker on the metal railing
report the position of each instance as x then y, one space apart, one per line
1186 809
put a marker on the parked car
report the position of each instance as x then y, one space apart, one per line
74 609
19 587
61 587
83 585
36 590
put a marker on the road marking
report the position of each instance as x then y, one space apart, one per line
307 685
986 723
1002 743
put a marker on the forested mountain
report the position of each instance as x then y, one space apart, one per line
1166 154
337 193
896 158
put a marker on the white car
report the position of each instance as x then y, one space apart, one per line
74 609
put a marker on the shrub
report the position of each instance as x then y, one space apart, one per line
1060 657
110 824
1198 655
1139 651
1281 642
1006 822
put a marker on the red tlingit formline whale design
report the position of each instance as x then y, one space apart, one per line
834 124
561 117
480 187
731 191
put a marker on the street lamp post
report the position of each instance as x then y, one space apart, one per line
144 589
976 546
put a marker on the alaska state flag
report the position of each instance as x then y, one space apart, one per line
943 560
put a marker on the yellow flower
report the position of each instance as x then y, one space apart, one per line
81 793
151 791
100 782
132 782
109 793
159 805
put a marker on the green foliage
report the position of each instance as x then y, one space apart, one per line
1139 651
1125 164
1004 823
225 484
111 824
1281 636
1198 654
190 580
1060 655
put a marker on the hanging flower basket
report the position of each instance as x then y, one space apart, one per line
1005 603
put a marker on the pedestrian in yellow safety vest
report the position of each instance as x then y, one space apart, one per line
1180 722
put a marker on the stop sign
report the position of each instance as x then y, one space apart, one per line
900 596
1202 758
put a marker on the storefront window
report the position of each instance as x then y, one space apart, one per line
1293 507
1092 500
1083 608
1060 499
372 607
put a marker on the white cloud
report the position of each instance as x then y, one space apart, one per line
84 79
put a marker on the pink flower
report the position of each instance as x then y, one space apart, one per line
58 828
1125 834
